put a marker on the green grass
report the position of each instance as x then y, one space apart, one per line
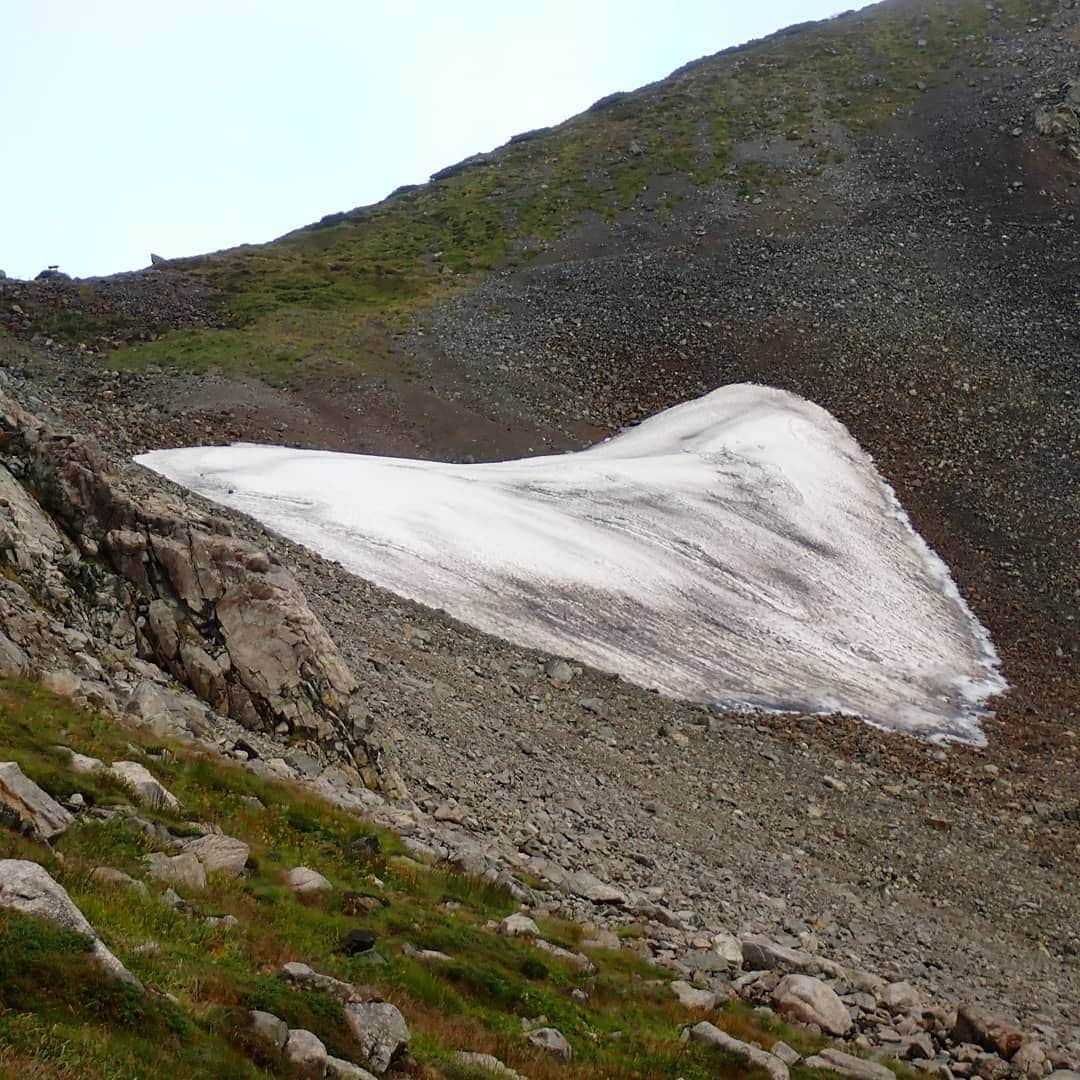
59 1016
332 294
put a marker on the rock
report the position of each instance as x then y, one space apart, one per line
589 887
222 853
787 1054
809 1001
752 1055
487 1063
1063 1074
575 960
37 813
267 1028
144 788
901 997
518 925
918 1047
307 882
306 1053
28 888
13 661
303 975
761 954
553 1041
973 1025
381 1031
164 712
707 960
184 870
117 877
340 1069
355 942
1029 1060
729 949
559 672
81 763
690 997
848 1065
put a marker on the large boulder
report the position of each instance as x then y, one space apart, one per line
37 813
381 1032
307 882
833 1060
553 1041
28 888
807 1000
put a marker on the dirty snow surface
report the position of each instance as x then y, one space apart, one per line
740 549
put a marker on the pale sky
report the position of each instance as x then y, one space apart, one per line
185 126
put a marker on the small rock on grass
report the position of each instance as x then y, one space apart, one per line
307 882
268 1028
381 1031
143 786
553 1041
690 997
847 1065
487 1063
518 925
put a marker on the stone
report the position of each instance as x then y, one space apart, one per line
761 954
690 997
144 788
1029 1060
267 1028
303 975
340 1069
918 1047
111 876
306 1053
13 661
808 1000
901 997
487 1063
589 887
381 1032
220 853
707 960
559 672
37 813
848 1065
28 888
575 960
973 1025
307 882
553 1041
184 870
165 712
729 949
518 925
752 1055
356 942
787 1054
82 763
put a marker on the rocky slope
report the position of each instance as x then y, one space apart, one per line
876 213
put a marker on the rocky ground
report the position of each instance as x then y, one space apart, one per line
922 288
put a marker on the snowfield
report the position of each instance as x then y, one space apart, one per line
740 549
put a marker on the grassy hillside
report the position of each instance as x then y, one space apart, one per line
329 293
60 1017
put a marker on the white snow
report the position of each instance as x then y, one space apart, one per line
740 549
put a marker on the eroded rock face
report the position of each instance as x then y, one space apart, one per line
216 613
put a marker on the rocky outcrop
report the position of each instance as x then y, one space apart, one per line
216 613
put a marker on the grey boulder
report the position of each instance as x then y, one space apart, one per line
28 888
36 811
807 1000
381 1031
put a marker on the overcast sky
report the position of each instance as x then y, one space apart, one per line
135 126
